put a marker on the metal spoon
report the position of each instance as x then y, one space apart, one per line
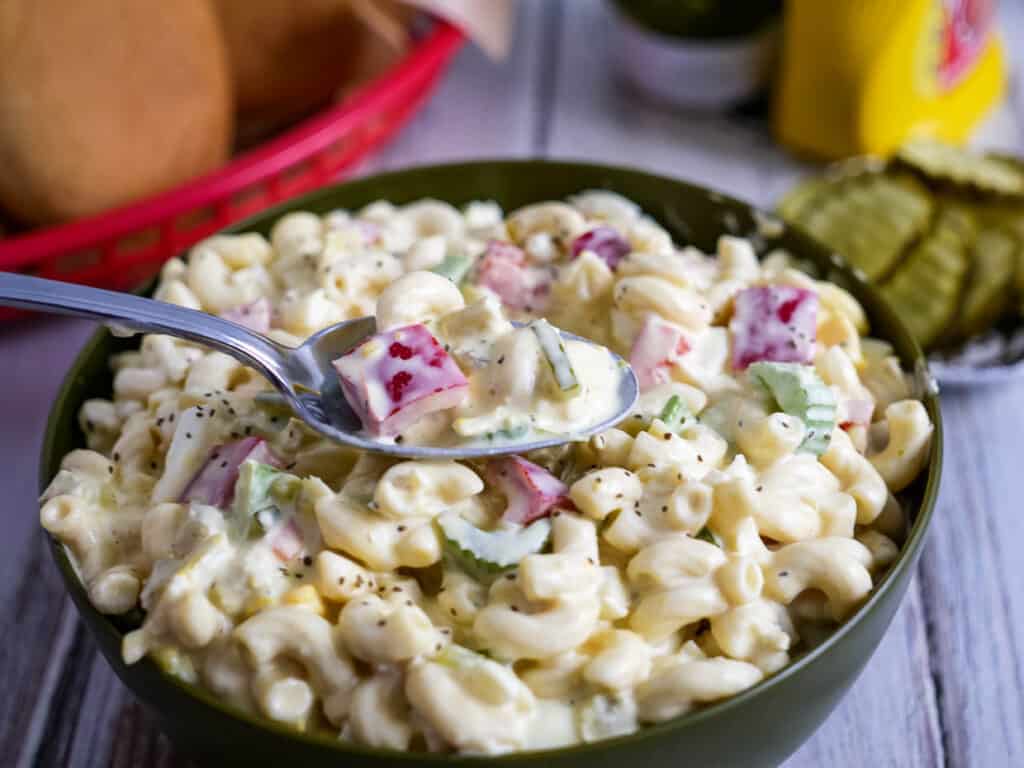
304 376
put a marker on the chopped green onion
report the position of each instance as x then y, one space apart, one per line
513 432
673 413
705 534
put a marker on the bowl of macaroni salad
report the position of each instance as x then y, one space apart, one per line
704 579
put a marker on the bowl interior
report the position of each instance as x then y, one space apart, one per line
693 215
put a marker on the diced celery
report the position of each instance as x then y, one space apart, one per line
259 493
800 392
553 348
485 555
454 267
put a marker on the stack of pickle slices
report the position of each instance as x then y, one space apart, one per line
938 228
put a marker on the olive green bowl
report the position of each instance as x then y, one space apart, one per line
759 727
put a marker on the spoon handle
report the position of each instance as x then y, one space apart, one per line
147 316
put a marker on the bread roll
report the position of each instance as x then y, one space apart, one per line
288 58
106 101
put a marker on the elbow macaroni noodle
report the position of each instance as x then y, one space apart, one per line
683 566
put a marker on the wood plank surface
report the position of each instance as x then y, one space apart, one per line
972 580
945 685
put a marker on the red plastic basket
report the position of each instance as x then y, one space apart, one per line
122 247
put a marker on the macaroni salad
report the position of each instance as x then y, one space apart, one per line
743 509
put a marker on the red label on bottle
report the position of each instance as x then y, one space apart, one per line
963 32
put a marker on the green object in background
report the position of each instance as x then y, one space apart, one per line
702 19
761 726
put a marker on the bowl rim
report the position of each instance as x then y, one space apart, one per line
907 557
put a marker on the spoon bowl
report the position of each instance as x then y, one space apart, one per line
304 376
328 412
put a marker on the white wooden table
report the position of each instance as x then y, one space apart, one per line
945 687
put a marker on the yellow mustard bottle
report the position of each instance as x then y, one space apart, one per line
863 76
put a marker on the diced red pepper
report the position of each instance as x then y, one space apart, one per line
503 269
397 377
255 315
214 484
287 542
654 349
605 242
530 490
776 323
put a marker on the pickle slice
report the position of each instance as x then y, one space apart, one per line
988 289
800 197
925 289
869 218
1010 219
942 162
